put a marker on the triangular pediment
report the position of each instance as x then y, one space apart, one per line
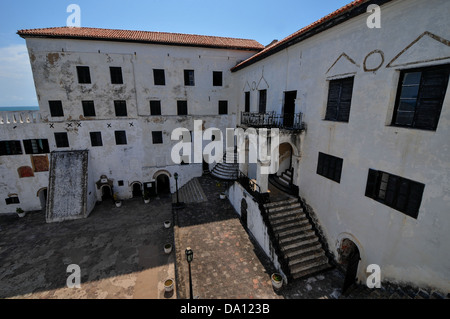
343 65
247 87
426 48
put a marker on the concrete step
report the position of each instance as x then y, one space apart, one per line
282 213
287 216
292 205
287 229
310 271
280 203
299 240
303 257
305 248
307 265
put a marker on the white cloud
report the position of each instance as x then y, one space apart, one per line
16 79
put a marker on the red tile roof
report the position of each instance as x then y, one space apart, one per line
143 37
324 22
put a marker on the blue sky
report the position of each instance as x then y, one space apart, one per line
261 20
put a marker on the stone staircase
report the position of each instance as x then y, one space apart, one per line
300 247
283 182
191 192
228 169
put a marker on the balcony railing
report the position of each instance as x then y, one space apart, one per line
292 121
253 188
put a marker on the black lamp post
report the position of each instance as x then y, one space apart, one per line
190 257
177 205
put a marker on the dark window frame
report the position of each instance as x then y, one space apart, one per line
182 107
96 139
121 137
159 77
88 108
10 147
217 78
116 74
262 102
61 139
155 107
56 108
84 75
339 107
36 146
330 167
396 192
189 77
120 108
157 137
12 200
247 101
422 117
223 107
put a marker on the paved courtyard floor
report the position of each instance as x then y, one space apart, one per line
120 252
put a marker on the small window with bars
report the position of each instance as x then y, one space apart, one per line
189 79
330 167
159 77
61 139
116 75
96 139
217 78
56 109
121 137
88 108
10 148
155 107
84 76
182 108
36 146
120 108
223 107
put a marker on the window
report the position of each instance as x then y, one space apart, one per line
36 146
155 107
61 140
88 108
116 75
247 102
10 148
12 200
189 78
262 101
96 138
223 107
182 108
120 108
396 192
159 77
420 97
84 77
157 137
217 78
121 137
56 108
330 167
120 183
339 100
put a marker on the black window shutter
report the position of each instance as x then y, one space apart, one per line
345 100
414 199
334 92
371 187
28 147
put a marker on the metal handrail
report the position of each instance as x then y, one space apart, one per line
293 121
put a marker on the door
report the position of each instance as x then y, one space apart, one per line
137 192
163 184
244 213
289 108
352 269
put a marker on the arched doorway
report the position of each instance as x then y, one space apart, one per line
136 189
106 192
285 158
42 194
349 257
163 184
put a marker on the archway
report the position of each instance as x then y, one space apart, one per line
285 152
106 192
42 194
349 257
136 189
163 184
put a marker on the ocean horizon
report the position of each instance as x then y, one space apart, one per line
19 108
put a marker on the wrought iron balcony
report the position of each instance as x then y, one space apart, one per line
292 121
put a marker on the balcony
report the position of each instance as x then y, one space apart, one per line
292 121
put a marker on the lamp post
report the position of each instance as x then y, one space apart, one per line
189 258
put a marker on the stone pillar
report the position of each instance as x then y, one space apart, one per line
262 176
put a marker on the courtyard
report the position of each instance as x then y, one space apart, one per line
120 252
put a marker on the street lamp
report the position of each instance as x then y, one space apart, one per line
178 205
189 258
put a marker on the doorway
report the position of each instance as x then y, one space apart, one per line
106 192
289 108
43 198
349 258
163 184
244 213
137 192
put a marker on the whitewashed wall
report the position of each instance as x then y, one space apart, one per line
408 250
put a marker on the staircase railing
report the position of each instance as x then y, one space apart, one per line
293 121
253 188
